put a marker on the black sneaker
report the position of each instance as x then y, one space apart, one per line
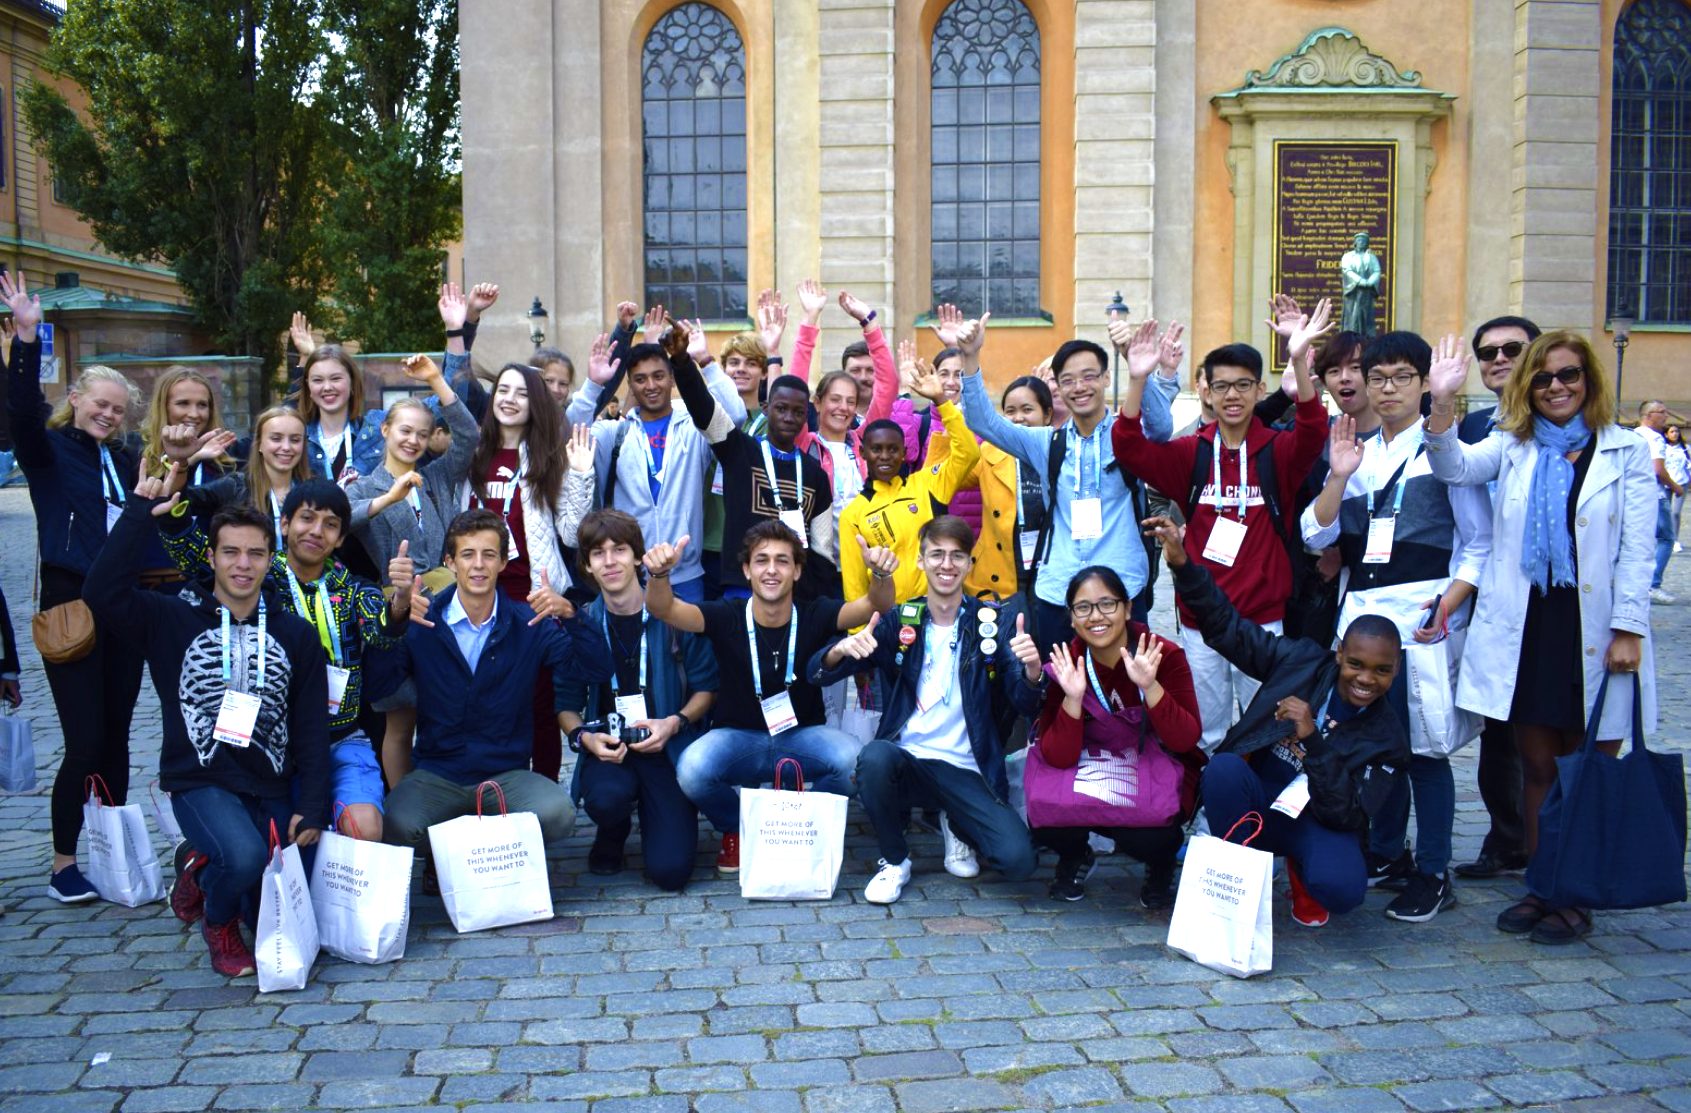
605 857
1390 873
1069 883
1158 891
1424 897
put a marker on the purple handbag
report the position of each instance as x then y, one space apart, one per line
1124 777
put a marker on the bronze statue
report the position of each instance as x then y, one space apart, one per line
1360 272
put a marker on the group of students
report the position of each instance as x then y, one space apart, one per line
383 609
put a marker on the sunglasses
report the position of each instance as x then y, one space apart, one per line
1567 376
1488 352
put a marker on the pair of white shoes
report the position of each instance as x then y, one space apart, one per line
889 881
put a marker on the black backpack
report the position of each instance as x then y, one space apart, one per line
1262 462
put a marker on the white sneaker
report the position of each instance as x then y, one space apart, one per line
888 882
959 855
1678 548
1657 595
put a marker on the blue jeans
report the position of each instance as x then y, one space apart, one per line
1665 536
1330 862
890 782
1434 789
725 759
669 824
233 832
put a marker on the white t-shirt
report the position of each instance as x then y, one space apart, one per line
1658 451
1678 462
937 731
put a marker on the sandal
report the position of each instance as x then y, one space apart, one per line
1518 919
1562 925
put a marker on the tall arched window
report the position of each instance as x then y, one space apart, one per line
1650 164
693 130
985 158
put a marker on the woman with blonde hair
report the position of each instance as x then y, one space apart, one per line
183 400
78 474
277 461
1565 598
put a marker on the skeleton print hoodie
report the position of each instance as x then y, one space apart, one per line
181 635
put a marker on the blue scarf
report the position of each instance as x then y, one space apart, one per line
1547 550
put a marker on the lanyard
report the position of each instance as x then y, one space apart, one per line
606 620
199 474
842 474
1021 512
775 487
928 662
263 647
1396 484
318 612
1097 459
792 648
416 502
111 484
276 515
1097 688
1215 472
516 485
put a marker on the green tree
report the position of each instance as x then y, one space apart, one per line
200 145
391 87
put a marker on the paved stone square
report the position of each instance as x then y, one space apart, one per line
963 996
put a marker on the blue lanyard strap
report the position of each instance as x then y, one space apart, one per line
1097 688
775 487
263 648
644 619
792 649
1097 460
1397 482
317 611
111 484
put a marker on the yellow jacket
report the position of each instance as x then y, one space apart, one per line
995 549
892 514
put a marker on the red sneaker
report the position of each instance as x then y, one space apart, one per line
1306 910
230 955
187 899
728 858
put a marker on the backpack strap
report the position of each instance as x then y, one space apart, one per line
623 429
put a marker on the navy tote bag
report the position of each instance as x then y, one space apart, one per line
1611 833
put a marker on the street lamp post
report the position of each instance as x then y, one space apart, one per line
1116 308
1622 328
537 323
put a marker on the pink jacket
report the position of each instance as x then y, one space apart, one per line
880 400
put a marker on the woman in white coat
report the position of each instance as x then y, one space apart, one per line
1565 598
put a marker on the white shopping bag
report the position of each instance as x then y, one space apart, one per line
286 943
492 868
361 892
122 865
1015 771
859 720
1224 912
164 815
1437 727
792 844
17 752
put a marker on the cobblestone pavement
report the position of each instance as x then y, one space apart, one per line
962 996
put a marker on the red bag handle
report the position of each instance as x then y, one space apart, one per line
798 771
340 809
483 787
1255 817
94 781
275 840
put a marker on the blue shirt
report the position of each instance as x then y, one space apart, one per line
472 639
657 436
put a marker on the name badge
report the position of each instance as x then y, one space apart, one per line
632 708
1086 519
113 513
1226 537
716 480
794 520
510 546
778 713
1379 547
1029 539
337 687
236 719
1293 798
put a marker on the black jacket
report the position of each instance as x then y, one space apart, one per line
180 636
9 665
978 673
63 469
1351 767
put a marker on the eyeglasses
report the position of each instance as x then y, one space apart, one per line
1567 376
1401 380
1083 610
946 556
1240 387
1488 352
1084 378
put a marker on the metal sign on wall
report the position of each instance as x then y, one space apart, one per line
1324 194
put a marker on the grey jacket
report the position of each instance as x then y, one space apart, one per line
382 533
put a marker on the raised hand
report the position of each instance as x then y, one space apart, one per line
861 645
675 341
579 452
854 306
881 562
1170 351
661 559
453 306
948 319
971 337
601 368
26 308
481 298
212 445
924 380
1138 345
653 326
1284 314
179 441
1071 674
771 320
1025 649
813 298
627 314
698 344
1449 371
1344 450
906 365
421 368
1142 665
159 487
547 603
299 331
1309 329
1171 536
402 574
